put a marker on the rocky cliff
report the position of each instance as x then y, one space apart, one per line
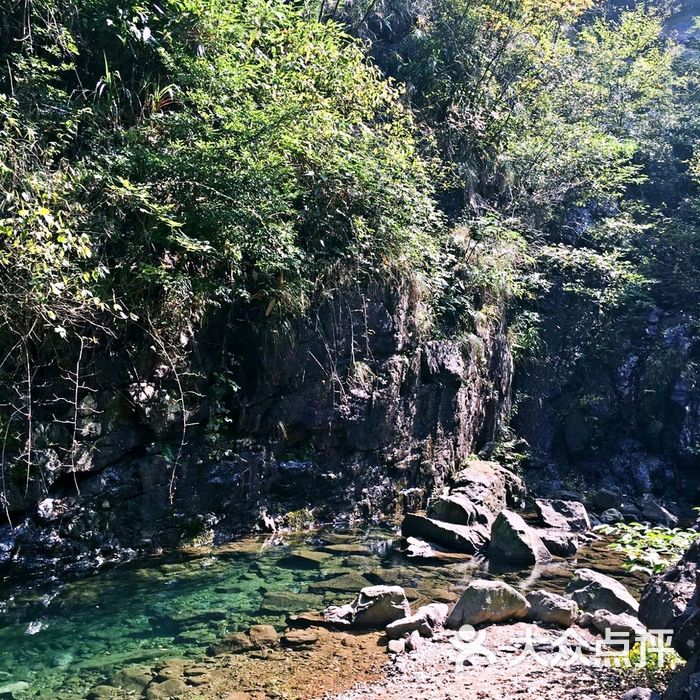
354 411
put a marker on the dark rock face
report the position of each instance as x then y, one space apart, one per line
386 397
631 421
355 401
670 601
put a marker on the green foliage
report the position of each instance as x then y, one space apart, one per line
648 665
649 549
225 152
161 161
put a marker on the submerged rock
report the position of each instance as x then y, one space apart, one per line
375 606
463 538
487 601
595 591
513 541
343 583
305 559
552 608
103 692
286 601
172 688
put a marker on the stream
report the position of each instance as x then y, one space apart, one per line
60 638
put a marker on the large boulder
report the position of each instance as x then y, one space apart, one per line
426 620
513 541
455 508
375 606
604 499
487 601
666 597
670 601
595 591
564 515
686 639
462 538
552 608
489 486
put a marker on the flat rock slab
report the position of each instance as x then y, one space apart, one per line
345 582
300 638
346 548
431 553
288 602
463 538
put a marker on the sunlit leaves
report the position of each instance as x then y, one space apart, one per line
649 549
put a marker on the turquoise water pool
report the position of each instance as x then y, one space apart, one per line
57 640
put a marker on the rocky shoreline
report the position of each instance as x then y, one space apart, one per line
344 647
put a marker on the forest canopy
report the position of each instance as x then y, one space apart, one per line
162 160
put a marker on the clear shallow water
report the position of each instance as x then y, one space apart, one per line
64 638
